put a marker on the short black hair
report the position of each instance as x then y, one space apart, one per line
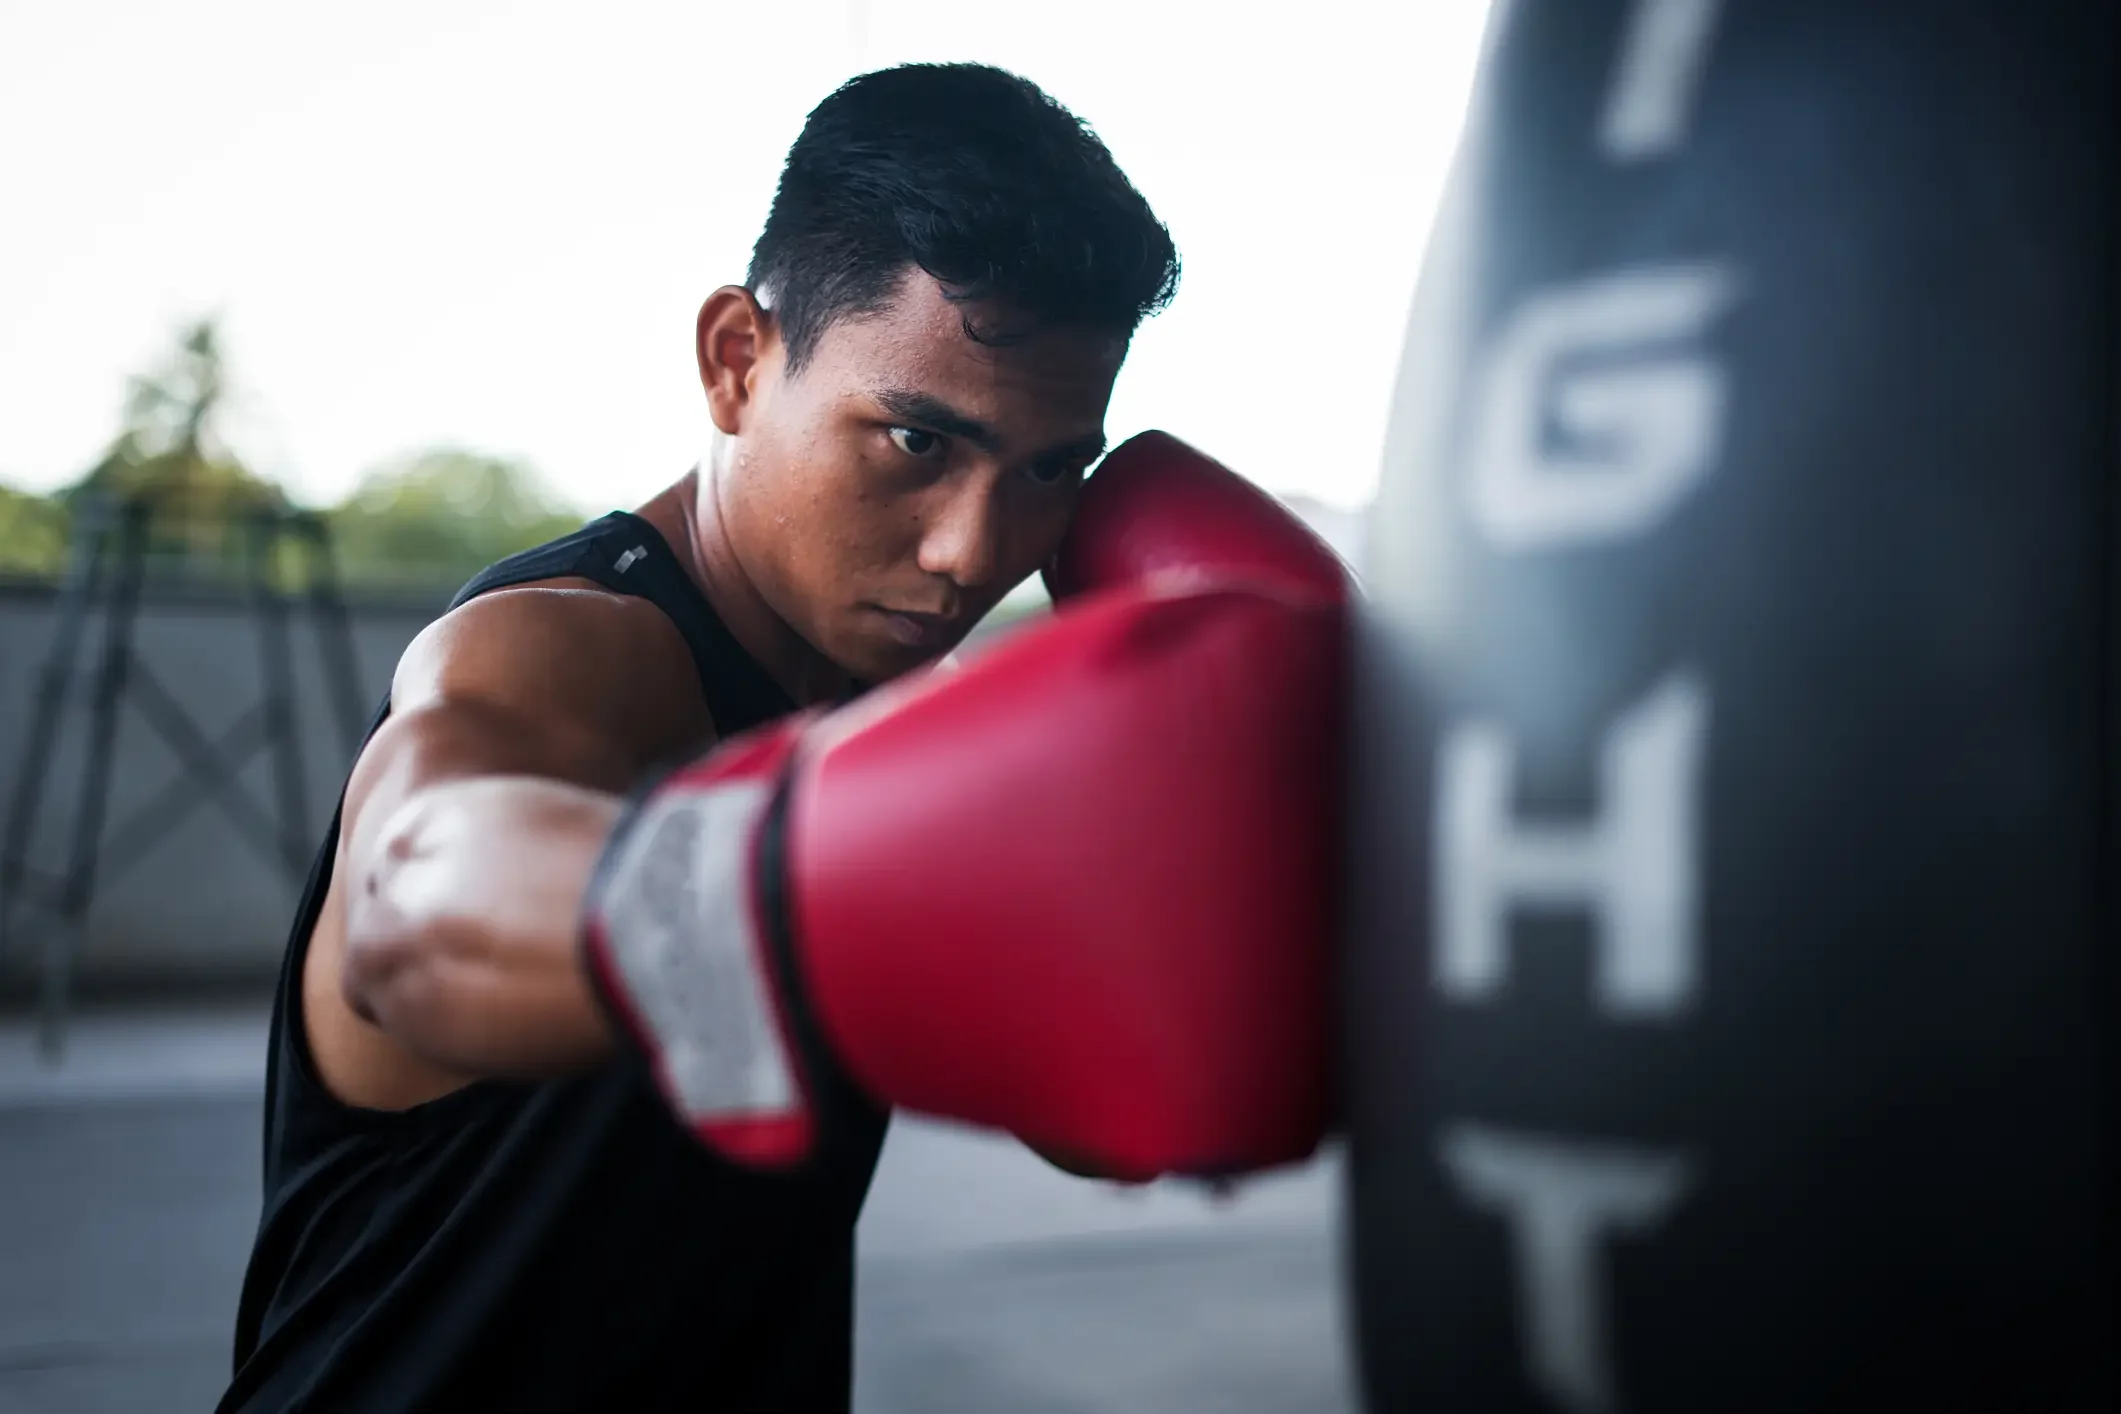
975 176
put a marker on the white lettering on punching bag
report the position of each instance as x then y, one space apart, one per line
1560 1200
1651 98
1593 412
1633 865
1591 418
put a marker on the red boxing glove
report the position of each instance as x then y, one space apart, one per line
1155 506
1080 890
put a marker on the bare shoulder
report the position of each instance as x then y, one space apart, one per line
567 650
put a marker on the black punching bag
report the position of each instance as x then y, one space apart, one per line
1733 967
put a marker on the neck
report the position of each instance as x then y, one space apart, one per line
690 516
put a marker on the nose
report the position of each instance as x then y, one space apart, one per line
961 536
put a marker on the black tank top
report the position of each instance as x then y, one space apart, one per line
545 1246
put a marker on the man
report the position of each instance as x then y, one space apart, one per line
483 1193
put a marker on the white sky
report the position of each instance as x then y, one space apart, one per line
489 222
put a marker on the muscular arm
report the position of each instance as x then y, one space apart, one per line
475 816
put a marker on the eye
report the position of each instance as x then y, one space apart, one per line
1056 473
914 442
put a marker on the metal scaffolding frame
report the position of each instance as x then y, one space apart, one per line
106 572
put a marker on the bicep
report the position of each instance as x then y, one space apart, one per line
522 684
451 740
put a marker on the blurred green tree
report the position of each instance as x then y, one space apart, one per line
169 447
442 514
427 519
32 534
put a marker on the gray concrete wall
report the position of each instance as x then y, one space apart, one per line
203 905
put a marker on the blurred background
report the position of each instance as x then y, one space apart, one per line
414 284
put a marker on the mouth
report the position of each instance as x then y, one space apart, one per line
928 633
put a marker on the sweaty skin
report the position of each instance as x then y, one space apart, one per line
870 509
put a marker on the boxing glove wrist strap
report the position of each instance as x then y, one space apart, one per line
680 946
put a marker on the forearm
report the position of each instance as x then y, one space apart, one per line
462 912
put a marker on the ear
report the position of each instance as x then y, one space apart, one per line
736 341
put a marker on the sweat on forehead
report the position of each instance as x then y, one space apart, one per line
916 349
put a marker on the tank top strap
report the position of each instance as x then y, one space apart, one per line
628 555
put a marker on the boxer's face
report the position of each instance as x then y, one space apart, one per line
886 494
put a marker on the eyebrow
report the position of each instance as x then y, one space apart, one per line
931 412
934 413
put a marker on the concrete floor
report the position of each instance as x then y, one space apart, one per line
128 1190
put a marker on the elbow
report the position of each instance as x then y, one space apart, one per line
377 971
395 938
406 977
